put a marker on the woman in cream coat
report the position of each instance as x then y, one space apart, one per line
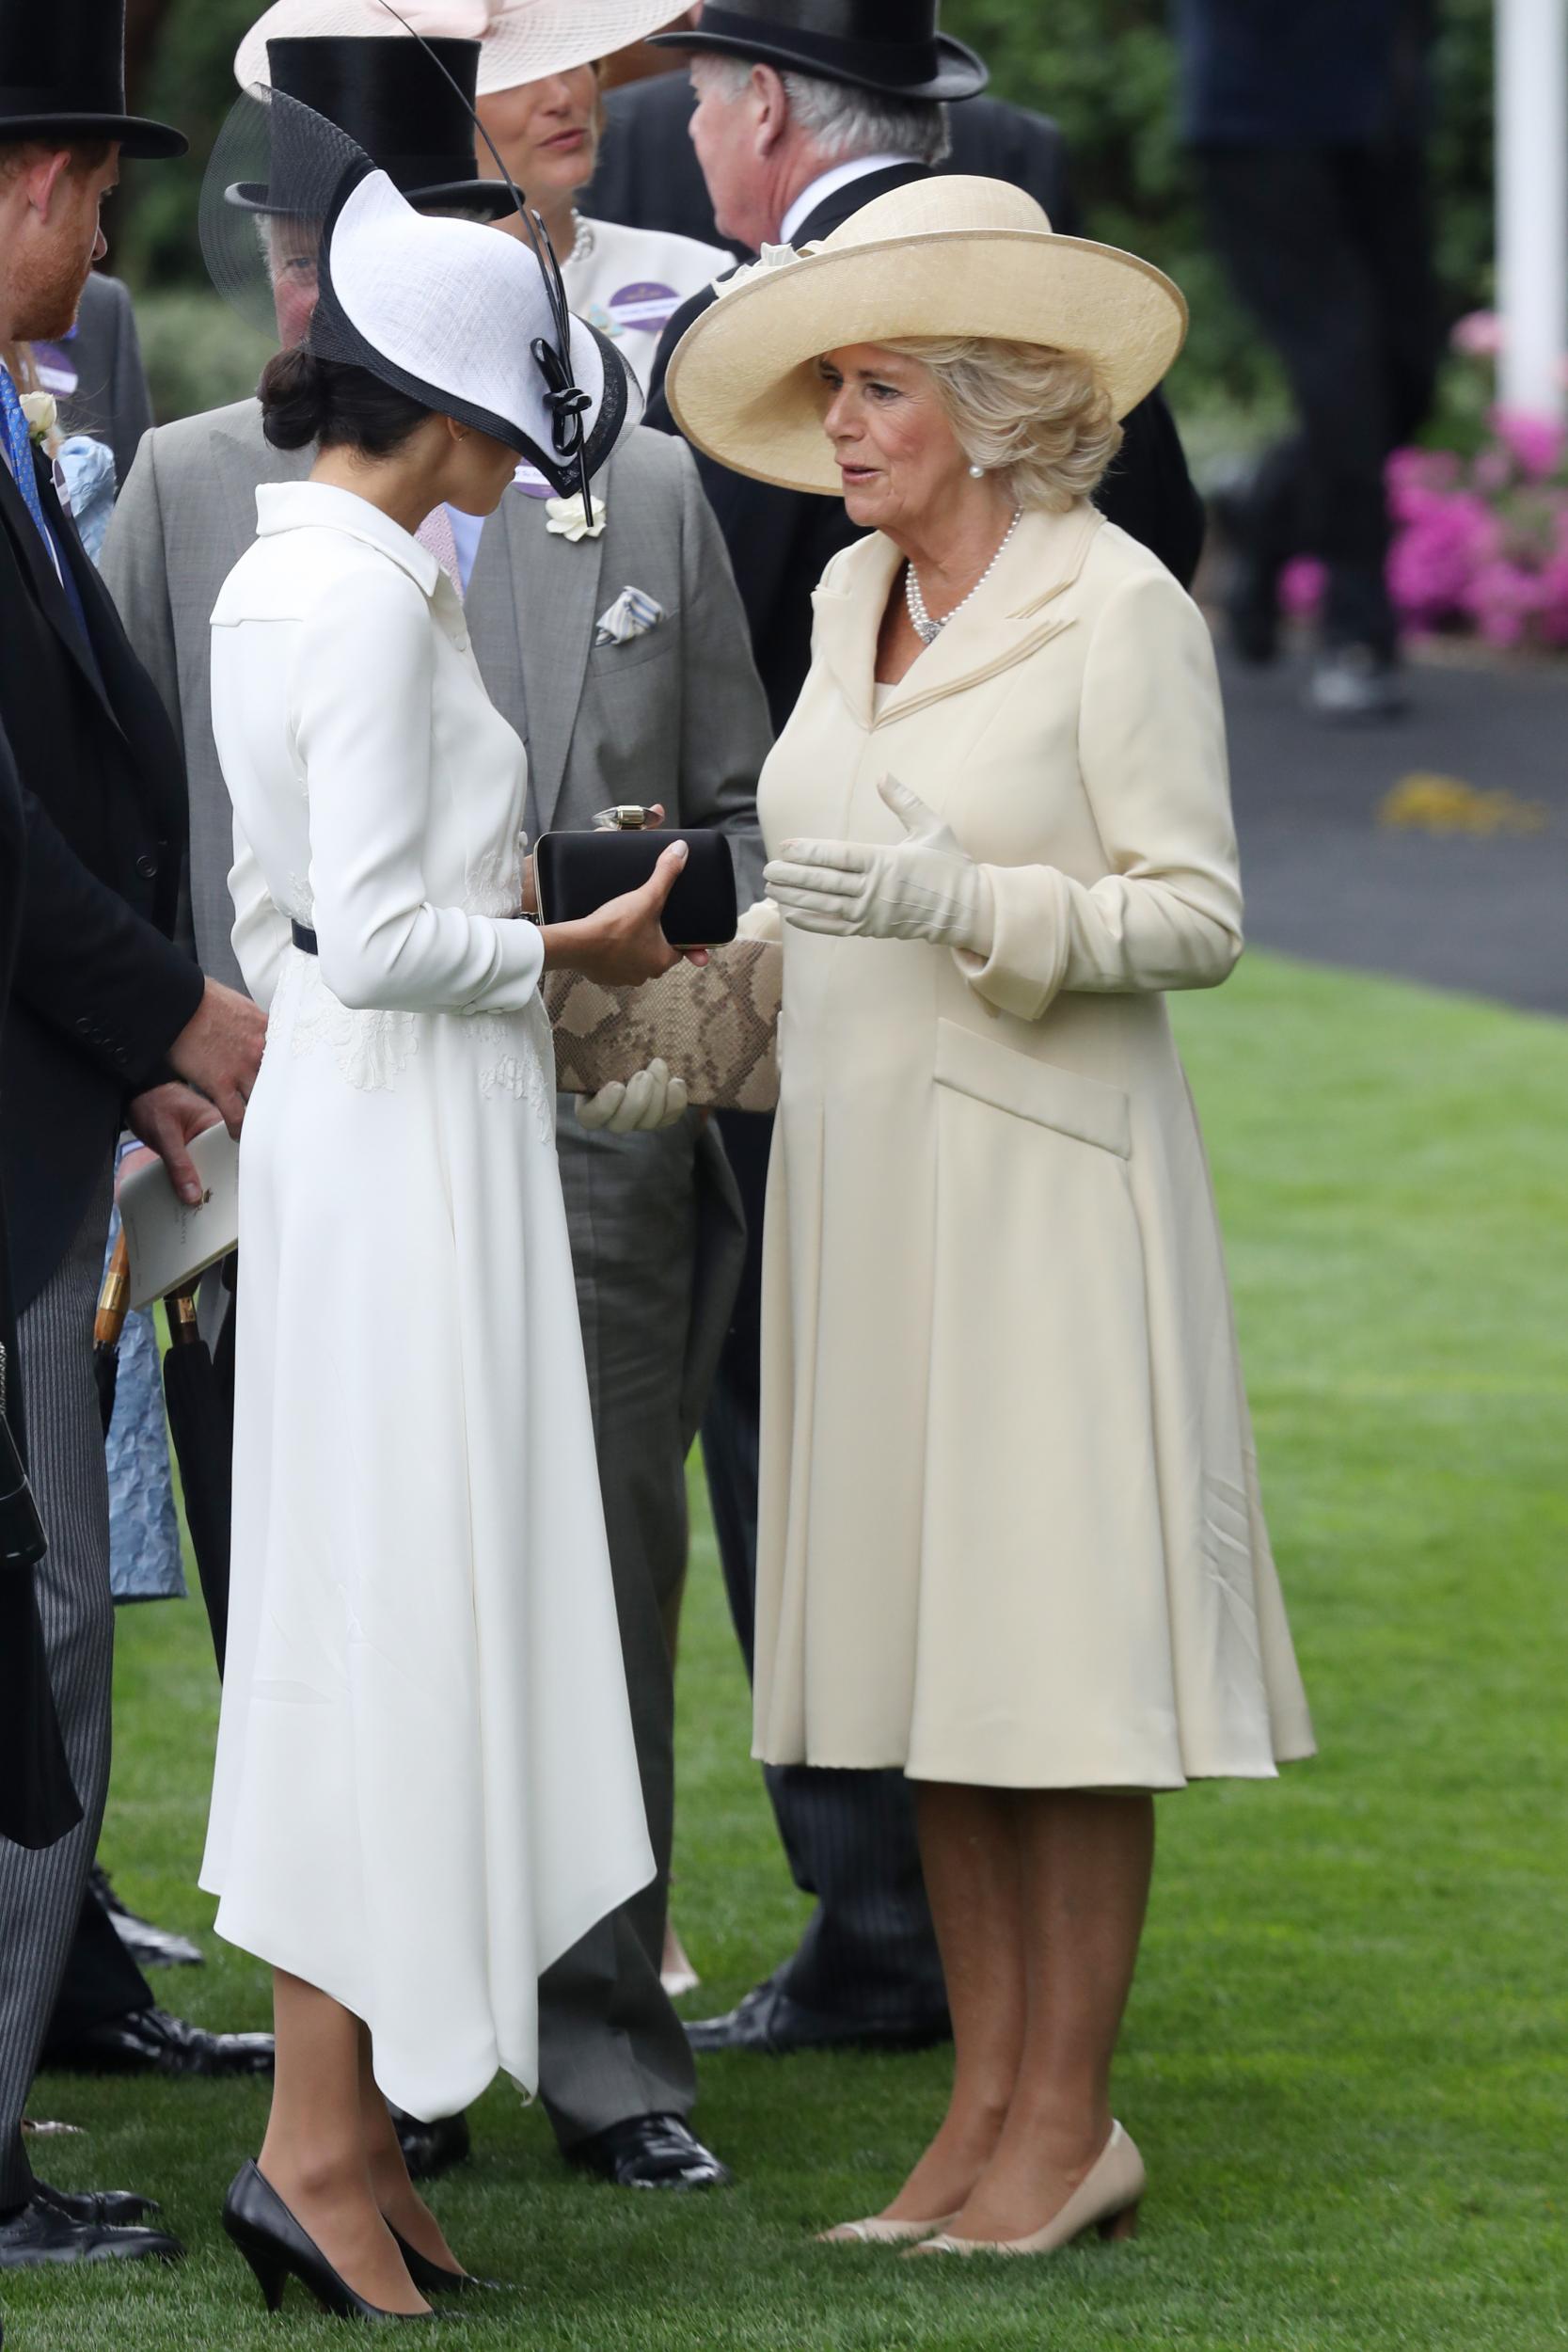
1011 1538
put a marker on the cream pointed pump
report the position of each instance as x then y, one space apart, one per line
880 2232
1106 2199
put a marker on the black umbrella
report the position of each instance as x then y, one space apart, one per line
113 1300
201 1423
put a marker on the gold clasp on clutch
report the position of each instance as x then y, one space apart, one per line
624 819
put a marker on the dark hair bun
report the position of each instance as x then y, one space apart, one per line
296 401
304 399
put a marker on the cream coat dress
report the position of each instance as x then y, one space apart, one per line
1011 1531
426 1785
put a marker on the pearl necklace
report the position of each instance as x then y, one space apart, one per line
583 241
924 628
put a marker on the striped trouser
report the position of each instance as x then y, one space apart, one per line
40 1894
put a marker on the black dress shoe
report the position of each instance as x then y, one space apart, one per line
151 2041
430 2149
436 2279
650 2151
149 1947
277 2250
115 2206
769 2024
41 2233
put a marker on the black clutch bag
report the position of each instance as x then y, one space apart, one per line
577 873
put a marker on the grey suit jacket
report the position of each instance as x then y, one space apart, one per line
111 399
676 716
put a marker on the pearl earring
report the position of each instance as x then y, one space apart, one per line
977 473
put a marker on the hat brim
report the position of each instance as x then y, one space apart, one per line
742 383
523 45
145 141
961 74
491 197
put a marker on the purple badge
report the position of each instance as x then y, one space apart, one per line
532 482
645 305
56 369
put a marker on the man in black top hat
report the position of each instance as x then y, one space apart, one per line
807 110
107 1016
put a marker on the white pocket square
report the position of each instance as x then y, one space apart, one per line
632 614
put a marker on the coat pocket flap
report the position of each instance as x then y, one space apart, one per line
1063 1099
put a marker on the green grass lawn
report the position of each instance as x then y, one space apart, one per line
1344 2061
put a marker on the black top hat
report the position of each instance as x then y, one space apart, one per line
390 96
888 45
62 76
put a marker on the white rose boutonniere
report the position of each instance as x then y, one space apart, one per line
563 518
43 413
774 257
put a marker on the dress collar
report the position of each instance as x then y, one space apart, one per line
319 506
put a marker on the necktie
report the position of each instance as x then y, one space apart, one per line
19 449
435 536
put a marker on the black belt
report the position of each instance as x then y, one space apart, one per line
305 941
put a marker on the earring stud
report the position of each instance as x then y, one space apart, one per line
977 473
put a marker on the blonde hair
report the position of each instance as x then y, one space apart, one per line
1040 418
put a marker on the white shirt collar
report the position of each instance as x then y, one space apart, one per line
321 505
829 184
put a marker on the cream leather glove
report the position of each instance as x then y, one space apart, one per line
640 1105
926 887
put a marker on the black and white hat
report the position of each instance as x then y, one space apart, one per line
470 321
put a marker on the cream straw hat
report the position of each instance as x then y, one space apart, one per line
943 256
522 40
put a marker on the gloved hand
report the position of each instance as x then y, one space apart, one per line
640 1105
926 887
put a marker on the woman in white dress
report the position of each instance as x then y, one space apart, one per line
547 122
426 1787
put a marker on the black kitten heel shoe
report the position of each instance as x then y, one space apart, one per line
435 2279
278 2249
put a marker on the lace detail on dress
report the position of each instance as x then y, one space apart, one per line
519 1060
371 1049
495 880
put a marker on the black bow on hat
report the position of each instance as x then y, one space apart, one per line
888 45
62 76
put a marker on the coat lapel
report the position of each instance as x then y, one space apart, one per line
46 580
556 586
1019 609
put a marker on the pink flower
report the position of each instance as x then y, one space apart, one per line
1551 620
1535 443
1302 584
1415 477
1503 599
1437 555
1479 335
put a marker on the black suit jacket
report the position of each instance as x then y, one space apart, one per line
98 993
781 541
649 177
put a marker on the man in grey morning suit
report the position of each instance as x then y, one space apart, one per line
677 716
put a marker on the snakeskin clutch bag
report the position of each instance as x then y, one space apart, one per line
715 1025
